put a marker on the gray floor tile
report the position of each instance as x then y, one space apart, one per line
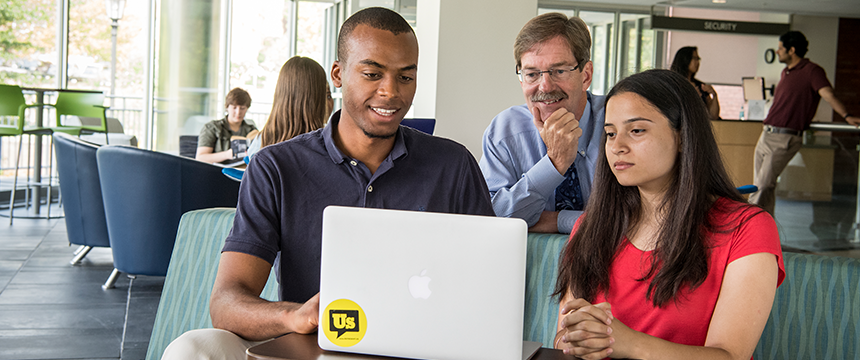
147 285
20 228
15 254
10 266
83 317
55 249
72 275
19 243
63 261
22 232
91 294
4 280
60 344
134 350
141 314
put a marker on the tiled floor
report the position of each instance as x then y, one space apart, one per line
50 309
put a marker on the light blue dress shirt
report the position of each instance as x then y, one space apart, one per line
520 176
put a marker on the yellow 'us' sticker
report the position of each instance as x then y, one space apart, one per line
344 323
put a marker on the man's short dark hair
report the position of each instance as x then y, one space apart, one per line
375 17
796 40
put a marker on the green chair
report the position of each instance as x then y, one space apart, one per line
12 104
81 104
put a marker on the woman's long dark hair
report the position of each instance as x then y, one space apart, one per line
680 256
681 63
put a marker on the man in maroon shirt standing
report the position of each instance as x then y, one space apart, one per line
801 86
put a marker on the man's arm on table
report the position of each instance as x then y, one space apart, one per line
236 305
556 221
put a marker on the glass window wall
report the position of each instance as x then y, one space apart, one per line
28 58
260 44
28 45
602 26
90 59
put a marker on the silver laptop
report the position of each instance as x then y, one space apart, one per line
423 285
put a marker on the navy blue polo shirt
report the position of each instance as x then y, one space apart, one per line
287 185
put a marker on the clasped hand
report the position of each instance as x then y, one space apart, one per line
589 331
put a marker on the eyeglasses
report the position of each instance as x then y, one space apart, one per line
533 76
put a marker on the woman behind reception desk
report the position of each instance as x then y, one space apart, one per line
687 63
668 260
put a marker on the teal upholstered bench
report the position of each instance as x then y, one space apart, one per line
190 276
541 312
816 313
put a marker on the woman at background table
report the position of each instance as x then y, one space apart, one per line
668 260
213 144
302 103
686 63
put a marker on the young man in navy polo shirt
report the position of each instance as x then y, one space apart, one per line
363 157
801 86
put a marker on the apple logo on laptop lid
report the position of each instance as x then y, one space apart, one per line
419 285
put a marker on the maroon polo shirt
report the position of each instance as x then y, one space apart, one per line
796 98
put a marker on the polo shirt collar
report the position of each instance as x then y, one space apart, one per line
803 62
398 151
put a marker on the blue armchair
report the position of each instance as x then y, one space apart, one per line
145 193
82 194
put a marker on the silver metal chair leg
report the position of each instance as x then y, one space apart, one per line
79 249
51 175
111 280
15 181
80 254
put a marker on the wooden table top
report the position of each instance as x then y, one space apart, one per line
305 347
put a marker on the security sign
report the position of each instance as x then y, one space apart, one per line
344 323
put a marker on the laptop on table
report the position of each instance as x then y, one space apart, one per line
423 285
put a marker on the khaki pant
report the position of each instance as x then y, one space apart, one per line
208 344
772 154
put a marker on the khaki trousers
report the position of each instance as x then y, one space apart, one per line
208 344
772 154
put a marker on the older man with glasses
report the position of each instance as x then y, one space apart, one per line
539 157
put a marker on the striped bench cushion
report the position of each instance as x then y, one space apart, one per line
184 303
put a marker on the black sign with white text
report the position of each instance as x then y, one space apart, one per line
718 26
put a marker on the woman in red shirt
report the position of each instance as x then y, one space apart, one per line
668 261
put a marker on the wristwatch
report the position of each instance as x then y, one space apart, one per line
847 115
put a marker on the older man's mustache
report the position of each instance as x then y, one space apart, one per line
548 96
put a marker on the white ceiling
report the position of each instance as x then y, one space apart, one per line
839 8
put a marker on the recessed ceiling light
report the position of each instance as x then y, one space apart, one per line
718 1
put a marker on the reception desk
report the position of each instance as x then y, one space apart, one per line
808 176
